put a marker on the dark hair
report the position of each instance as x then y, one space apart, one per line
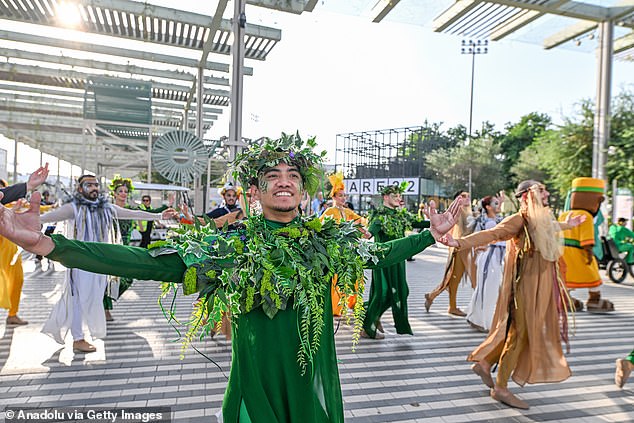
622 219
458 194
146 196
486 201
3 183
80 180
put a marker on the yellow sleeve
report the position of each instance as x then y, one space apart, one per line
586 229
330 211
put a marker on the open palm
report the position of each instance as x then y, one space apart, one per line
442 223
22 229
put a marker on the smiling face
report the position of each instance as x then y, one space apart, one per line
121 194
280 191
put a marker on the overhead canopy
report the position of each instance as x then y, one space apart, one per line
550 23
59 56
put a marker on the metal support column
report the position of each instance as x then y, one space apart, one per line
57 181
199 103
237 71
602 116
149 155
15 160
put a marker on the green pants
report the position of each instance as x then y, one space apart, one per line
630 357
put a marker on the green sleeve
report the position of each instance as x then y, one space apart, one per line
401 249
375 227
420 224
117 260
158 209
612 231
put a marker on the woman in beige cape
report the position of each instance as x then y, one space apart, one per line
529 322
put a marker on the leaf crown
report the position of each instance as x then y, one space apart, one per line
394 188
290 149
118 181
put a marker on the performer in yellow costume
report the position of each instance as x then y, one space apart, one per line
582 270
340 212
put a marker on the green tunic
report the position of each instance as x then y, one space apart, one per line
389 284
265 383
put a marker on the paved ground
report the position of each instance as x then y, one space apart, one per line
422 378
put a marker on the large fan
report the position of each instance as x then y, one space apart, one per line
179 155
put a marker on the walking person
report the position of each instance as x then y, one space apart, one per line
530 323
489 269
81 304
389 287
459 263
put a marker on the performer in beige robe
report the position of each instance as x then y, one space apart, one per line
529 322
459 263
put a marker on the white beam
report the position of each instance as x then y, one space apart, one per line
381 9
571 9
573 31
288 6
516 22
114 51
13 68
453 13
624 43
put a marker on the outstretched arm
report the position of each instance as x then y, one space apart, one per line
401 249
13 193
37 178
503 231
117 260
572 221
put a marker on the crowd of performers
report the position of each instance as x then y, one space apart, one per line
261 268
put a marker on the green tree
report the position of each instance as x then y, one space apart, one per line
565 152
451 167
620 159
516 139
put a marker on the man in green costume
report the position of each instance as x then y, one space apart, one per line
274 275
624 239
389 284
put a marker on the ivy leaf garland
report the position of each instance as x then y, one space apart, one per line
259 266
393 222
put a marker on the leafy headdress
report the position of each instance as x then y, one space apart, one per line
118 181
290 149
394 188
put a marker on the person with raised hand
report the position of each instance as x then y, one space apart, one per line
529 323
273 273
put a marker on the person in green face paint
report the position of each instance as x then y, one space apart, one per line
273 273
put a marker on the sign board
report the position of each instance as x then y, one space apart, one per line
4 174
374 186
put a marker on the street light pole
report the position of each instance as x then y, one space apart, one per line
473 47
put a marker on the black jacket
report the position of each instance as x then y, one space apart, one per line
13 192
